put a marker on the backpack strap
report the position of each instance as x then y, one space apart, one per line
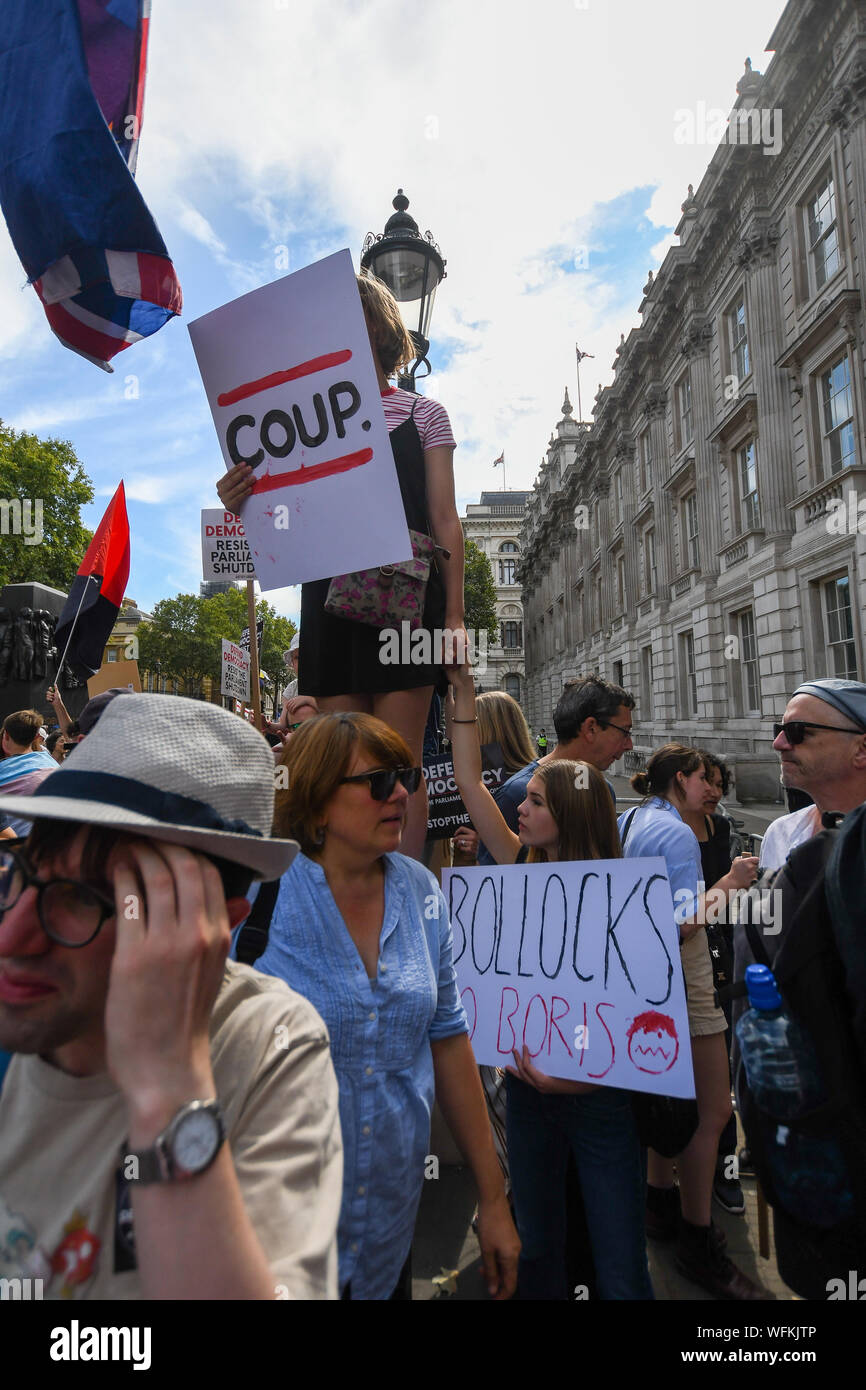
627 826
253 938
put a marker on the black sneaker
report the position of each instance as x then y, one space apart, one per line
729 1195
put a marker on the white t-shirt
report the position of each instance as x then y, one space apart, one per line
786 834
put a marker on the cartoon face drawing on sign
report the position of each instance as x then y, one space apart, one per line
653 1044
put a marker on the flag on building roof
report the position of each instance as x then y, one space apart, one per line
71 91
91 609
501 459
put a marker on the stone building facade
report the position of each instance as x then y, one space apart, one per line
700 541
494 525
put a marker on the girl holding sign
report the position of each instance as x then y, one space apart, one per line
567 814
341 660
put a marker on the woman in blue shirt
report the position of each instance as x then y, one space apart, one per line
363 933
675 783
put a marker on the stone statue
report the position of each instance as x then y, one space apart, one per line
23 651
6 630
43 632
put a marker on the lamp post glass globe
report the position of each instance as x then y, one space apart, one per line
412 268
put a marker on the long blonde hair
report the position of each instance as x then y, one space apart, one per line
394 347
502 721
580 802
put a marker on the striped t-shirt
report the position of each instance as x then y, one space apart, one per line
434 427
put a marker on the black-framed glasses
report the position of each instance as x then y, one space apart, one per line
795 730
383 780
609 724
71 912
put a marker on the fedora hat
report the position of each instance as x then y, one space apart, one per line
171 769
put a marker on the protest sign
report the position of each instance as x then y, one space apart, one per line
235 671
445 809
224 550
115 675
292 387
245 636
580 963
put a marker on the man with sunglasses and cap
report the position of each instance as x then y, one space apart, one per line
169 1123
821 742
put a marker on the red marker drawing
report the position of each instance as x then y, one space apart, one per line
264 383
271 481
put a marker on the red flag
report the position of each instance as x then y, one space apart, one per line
91 609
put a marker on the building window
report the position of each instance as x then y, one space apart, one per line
512 687
839 629
740 361
111 654
690 532
596 601
620 582
648 560
617 497
617 673
688 675
823 233
511 634
684 411
749 688
646 682
506 571
645 456
578 613
750 506
837 416
508 548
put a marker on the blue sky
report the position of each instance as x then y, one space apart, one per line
538 147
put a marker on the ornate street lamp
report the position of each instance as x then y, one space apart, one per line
412 267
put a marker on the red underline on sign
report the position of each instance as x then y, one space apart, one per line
271 481
264 383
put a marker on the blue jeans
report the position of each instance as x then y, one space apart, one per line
599 1128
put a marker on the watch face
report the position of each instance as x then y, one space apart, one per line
196 1140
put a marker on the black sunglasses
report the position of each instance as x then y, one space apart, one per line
384 779
70 912
795 730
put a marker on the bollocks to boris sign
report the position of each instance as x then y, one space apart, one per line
578 962
235 672
292 388
224 550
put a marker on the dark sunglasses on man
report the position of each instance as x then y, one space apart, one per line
796 729
383 780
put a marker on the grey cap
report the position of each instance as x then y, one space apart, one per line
849 697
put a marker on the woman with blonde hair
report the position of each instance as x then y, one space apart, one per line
568 814
340 659
502 721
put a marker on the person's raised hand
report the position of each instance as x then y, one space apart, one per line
235 486
172 941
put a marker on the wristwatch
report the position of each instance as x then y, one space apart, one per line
187 1146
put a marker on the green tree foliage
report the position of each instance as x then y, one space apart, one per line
186 633
45 471
479 592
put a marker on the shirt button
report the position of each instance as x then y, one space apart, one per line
383 968
361 1191
366 1129
354 1247
372 1016
368 1071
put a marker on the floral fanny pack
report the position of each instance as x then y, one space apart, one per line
390 594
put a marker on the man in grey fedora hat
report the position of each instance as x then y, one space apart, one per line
169 1122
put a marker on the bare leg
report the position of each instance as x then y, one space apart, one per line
696 1165
406 713
345 704
660 1171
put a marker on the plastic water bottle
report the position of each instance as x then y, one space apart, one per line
808 1170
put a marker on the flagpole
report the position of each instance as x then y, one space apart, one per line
504 483
255 691
72 629
579 407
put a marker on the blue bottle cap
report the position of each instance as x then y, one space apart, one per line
762 989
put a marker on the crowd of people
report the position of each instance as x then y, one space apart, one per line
227 1009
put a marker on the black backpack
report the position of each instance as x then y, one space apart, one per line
819 962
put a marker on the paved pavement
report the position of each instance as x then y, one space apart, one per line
444 1241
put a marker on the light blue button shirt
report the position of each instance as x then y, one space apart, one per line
659 829
381 1031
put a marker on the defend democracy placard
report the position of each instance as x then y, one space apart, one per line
580 963
224 550
235 671
292 388
445 809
